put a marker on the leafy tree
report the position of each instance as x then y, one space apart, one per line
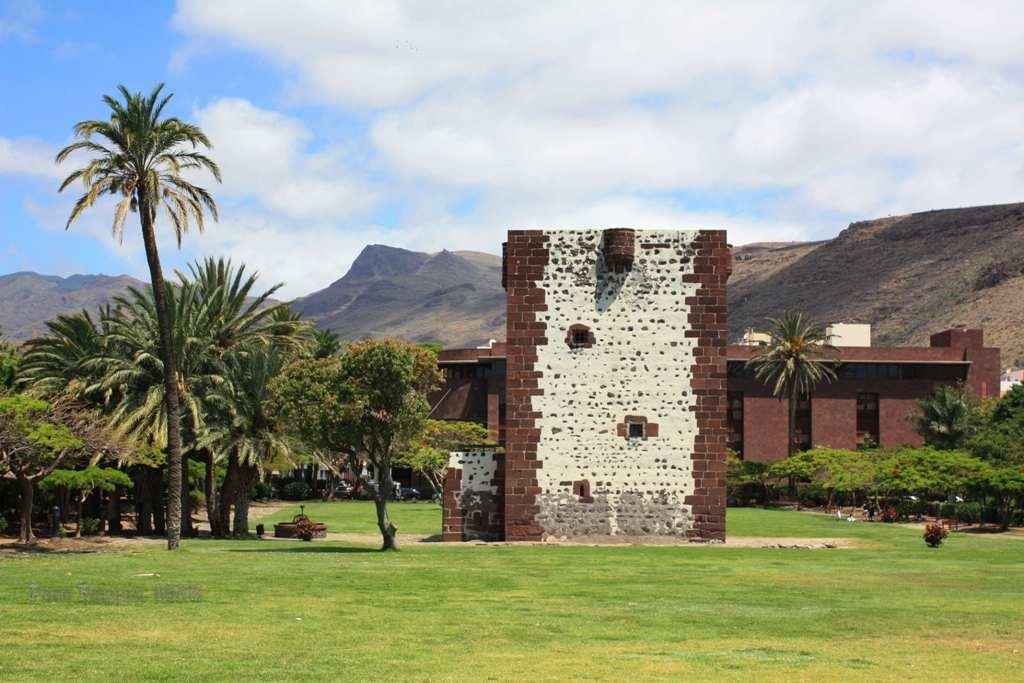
36 437
836 470
741 474
927 471
429 454
1006 485
366 403
797 358
141 163
10 361
84 481
1000 441
948 417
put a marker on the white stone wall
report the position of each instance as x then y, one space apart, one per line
640 364
478 469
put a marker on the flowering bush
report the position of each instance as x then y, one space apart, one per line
933 534
305 528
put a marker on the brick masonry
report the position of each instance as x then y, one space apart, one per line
655 304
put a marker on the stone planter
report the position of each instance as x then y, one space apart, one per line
287 530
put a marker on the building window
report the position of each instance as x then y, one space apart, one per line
579 337
867 420
637 427
734 421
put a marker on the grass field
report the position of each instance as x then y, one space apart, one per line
283 610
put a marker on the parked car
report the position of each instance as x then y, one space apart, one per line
344 489
409 493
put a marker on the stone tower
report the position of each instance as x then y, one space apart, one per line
616 383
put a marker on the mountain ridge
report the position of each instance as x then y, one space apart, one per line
908 276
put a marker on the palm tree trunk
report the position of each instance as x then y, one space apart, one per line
28 490
143 502
156 483
114 511
79 500
210 488
227 495
792 421
156 276
186 506
246 475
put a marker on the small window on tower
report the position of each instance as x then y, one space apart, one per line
636 430
579 337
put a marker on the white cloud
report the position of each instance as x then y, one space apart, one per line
28 157
774 120
264 156
850 109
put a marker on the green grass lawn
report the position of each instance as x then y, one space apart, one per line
284 610
360 517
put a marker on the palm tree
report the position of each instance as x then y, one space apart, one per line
235 318
240 428
948 417
141 164
63 360
797 358
326 344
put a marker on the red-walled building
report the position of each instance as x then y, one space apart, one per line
875 396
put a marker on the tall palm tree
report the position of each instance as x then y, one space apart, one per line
798 357
141 163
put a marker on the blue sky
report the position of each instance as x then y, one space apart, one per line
440 125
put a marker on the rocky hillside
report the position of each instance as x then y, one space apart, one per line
28 300
453 297
907 275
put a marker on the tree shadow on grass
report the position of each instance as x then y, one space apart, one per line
306 549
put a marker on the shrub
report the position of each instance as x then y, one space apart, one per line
947 510
305 528
296 490
90 526
3 524
968 512
262 491
933 535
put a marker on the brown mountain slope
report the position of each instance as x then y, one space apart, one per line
908 276
28 300
450 297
